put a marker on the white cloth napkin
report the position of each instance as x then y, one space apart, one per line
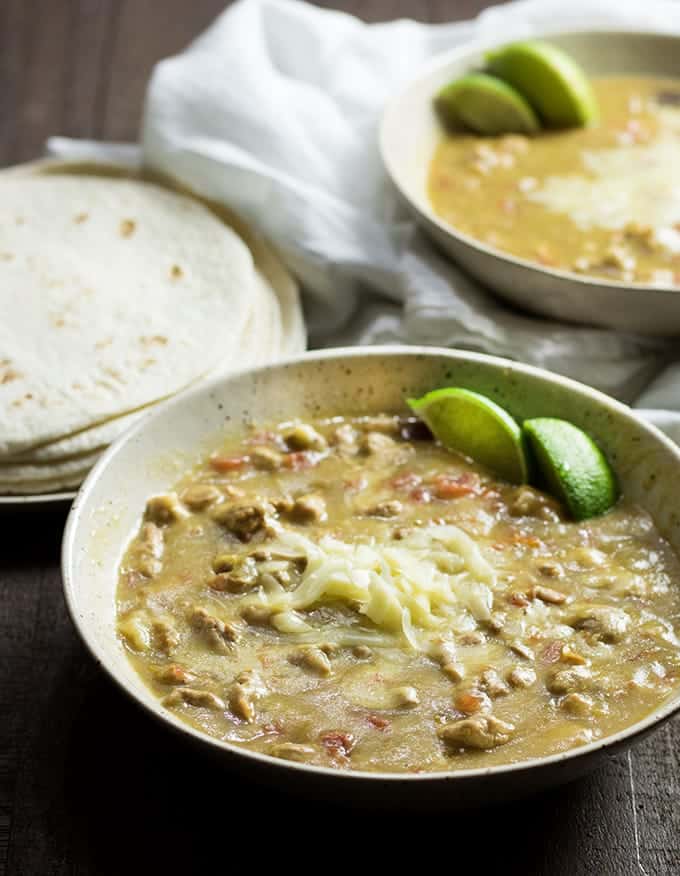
275 110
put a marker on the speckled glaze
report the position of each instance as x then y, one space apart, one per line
410 131
151 457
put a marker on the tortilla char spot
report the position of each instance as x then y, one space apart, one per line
9 375
176 272
6 256
127 227
79 218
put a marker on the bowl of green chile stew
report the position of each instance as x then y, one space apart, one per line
289 568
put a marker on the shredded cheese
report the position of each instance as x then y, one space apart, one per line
623 184
435 579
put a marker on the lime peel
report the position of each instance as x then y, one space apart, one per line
549 79
477 427
486 105
575 470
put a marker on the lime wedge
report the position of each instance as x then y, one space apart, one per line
486 105
477 427
573 466
550 80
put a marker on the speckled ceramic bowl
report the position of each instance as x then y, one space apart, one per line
410 131
150 458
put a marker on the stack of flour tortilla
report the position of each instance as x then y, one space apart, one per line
117 293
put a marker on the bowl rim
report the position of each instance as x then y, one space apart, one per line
74 523
423 208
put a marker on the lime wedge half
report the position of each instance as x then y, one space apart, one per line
573 466
477 427
553 83
486 105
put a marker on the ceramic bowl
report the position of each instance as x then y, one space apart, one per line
410 131
153 454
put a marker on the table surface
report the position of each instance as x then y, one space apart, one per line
88 784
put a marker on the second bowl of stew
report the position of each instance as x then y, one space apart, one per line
578 223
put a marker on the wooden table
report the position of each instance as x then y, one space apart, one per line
88 784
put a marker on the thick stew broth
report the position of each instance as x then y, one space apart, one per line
601 200
347 593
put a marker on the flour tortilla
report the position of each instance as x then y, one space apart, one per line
67 470
95 438
267 323
83 444
266 259
274 327
43 487
275 273
113 294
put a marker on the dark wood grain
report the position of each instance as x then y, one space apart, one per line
88 784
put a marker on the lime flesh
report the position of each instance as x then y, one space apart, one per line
574 468
550 80
485 105
477 427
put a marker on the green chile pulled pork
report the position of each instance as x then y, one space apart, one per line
577 638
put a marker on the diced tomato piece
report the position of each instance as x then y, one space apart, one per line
300 460
337 743
175 675
378 722
228 463
453 486
406 480
469 703
355 485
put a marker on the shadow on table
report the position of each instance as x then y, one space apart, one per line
124 796
31 537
